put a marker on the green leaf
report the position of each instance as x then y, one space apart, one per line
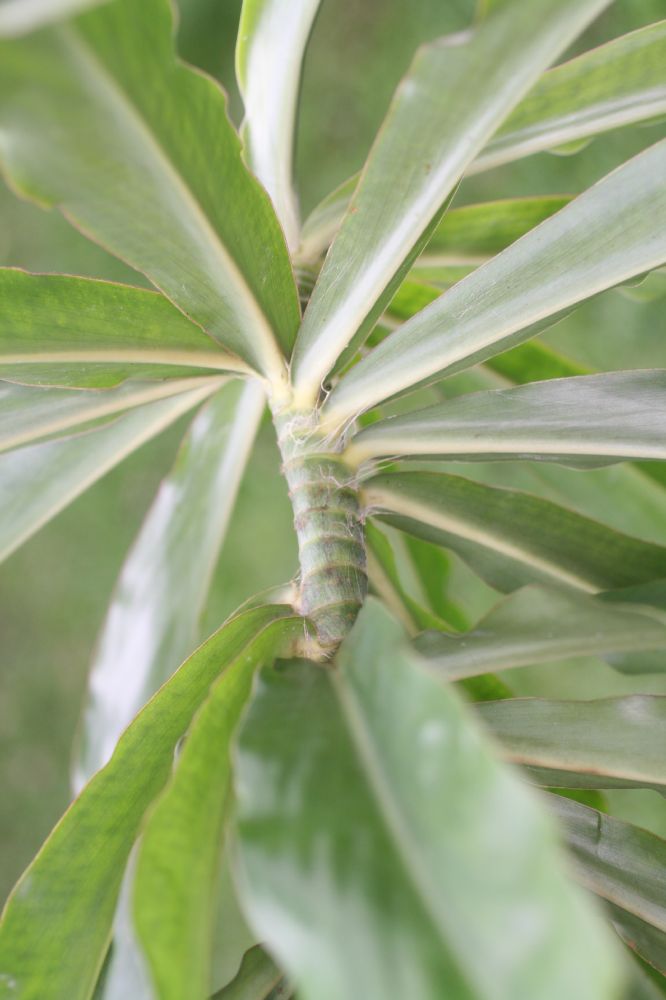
619 862
473 233
423 148
37 482
85 126
17 17
612 231
643 939
59 330
512 538
587 420
29 414
165 578
60 908
257 977
272 37
616 84
541 625
179 853
621 739
440 859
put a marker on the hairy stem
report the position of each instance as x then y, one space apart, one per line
329 528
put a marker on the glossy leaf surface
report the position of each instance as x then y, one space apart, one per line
592 419
418 157
614 230
153 621
272 36
38 481
29 414
85 125
539 625
512 538
440 856
58 910
59 330
611 738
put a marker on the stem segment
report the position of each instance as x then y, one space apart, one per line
328 523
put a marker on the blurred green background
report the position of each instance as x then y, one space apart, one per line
54 590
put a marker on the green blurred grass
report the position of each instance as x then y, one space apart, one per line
54 591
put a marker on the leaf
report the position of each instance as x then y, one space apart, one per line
59 909
620 862
85 126
17 17
29 414
616 84
540 625
423 148
587 420
643 939
272 37
512 538
154 618
37 482
621 739
473 233
439 856
257 977
59 330
179 852
614 230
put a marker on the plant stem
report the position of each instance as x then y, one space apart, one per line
329 528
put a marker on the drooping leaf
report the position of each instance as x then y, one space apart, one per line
153 620
587 420
17 17
256 979
439 861
85 126
37 482
60 909
620 862
272 36
616 84
614 230
60 330
423 148
621 740
31 414
512 538
179 854
540 625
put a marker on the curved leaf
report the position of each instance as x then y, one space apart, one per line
539 625
439 859
512 538
272 37
178 858
153 621
417 159
621 739
614 230
587 420
60 330
29 414
37 482
84 126
58 910
620 862
256 979
613 85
